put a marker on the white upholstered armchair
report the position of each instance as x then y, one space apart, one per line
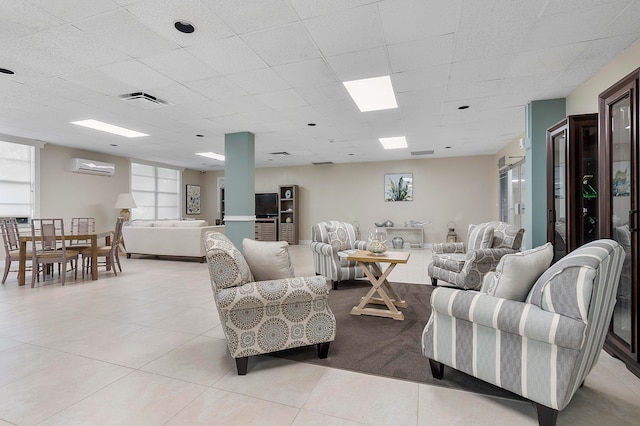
331 243
271 315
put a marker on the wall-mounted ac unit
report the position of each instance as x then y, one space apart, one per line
80 165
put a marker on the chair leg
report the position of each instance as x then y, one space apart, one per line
7 265
118 260
546 416
241 365
113 263
334 285
434 281
437 369
323 349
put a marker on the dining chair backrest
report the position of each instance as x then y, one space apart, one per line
82 225
10 234
47 235
117 234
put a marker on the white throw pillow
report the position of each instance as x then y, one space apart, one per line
268 260
480 236
517 272
142 223
190 224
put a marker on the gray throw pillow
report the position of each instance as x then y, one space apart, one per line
268 260
480 236
516 273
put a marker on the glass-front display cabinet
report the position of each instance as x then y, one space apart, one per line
572 183
618 108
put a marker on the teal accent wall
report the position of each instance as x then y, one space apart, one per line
540 115
239 185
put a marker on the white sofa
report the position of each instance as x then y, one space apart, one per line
167 237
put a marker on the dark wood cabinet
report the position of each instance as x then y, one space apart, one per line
572 183
620 191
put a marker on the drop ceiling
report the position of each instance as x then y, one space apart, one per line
271 67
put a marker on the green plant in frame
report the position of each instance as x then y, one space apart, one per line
398 187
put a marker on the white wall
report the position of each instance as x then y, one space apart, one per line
462 189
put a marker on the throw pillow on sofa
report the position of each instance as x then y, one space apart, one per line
480 237
338 237
516 273
268 260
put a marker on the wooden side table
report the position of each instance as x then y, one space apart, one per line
368 261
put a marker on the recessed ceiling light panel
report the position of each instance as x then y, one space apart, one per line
394 142
372 94
109 128
211 155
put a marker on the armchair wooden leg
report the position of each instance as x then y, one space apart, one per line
241 365
546 416
323 350
434 281
437 369
334 285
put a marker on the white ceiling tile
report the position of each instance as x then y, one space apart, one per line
477 14
19 18
100 82
227 56
407 20
283 45
625 23
216 88
311 8
162 17
362 64
179 65
347 31
178 94
136 74
73 45
493 40
252 15
554 7
280 100
324 93
479 69
422 78
544 61
72 10
306 74
259 81
124 32
208 109
479 89
421 53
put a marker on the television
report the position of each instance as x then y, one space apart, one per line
267 205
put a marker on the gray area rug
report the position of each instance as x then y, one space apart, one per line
383 346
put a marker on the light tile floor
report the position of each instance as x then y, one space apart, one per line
146 348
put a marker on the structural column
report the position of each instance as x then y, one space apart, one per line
239 186
540 116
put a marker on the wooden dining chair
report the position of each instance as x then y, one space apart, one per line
109 252
11 240
48 248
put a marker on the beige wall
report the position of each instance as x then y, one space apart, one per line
65 194
462 189
584 99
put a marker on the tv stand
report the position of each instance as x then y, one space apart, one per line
267 229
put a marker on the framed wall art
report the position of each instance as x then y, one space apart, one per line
398 187
193 199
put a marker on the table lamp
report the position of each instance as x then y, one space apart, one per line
125 202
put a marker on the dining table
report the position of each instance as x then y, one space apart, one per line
90 236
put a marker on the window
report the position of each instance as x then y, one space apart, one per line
17 180
156 191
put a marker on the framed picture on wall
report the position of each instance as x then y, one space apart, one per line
398 187
193 199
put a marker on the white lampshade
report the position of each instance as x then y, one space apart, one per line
125 201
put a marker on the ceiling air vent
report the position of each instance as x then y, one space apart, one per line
427 152
144 100
322 163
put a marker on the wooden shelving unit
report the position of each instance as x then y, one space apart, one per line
288 213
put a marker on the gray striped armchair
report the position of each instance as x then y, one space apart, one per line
541 348
464 264
331 243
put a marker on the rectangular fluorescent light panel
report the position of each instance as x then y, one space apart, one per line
394 143
372 94
109 128
212 155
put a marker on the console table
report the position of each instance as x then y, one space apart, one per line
412 235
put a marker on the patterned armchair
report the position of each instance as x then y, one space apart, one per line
464 264
331 243
266 316
542 347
